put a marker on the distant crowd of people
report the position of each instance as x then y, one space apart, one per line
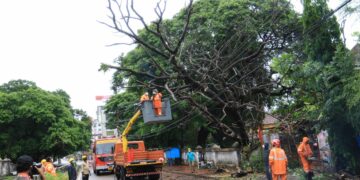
276 162
27 169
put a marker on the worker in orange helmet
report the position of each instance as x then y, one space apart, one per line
49 167
305 154
157 105
144 97
43 165
278 161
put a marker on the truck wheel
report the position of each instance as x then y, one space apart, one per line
155 177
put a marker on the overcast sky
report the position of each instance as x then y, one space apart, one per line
59 44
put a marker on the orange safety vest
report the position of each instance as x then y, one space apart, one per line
304 152
157 100
24 176
278 161
144 97
49 168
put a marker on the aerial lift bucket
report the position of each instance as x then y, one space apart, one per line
149 115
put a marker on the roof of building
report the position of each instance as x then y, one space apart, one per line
269 119
356 48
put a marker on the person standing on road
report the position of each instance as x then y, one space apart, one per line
85 169
266 153
278 161
305 154
71 169
49 167
43 164
191 159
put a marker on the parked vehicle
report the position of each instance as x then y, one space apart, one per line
103 155
137 162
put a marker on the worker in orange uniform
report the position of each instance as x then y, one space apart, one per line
144 97
157 105
49 167
305 153
278 161
43 165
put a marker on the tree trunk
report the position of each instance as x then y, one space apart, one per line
203 133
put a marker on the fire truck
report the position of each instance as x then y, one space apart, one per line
103 155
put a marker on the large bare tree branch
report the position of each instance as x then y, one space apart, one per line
231 75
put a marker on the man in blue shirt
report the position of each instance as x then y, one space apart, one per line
71 168
191 159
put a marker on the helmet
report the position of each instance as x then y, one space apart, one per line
43 161
305 140
275 142
71 159
84 157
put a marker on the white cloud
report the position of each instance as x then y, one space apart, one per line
59 44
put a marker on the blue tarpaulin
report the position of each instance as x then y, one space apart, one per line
173 153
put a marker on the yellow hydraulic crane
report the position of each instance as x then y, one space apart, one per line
127 129
147 110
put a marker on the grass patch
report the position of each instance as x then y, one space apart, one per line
60 176
7 177
298 172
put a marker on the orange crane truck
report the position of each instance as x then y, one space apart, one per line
131 159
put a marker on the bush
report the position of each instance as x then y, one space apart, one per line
255 162
299 172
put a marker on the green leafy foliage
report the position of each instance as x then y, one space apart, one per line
325 93
38 123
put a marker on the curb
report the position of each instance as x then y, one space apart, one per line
190 174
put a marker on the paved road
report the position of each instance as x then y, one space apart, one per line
102 177
105 176
165 176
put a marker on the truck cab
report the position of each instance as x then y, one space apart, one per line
103 155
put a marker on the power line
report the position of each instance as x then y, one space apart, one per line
168 127
165 129
325 18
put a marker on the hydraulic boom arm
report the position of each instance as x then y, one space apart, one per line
127 129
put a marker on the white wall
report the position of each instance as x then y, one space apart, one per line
6 167
220 157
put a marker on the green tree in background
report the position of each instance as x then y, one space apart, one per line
323 81
39 123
